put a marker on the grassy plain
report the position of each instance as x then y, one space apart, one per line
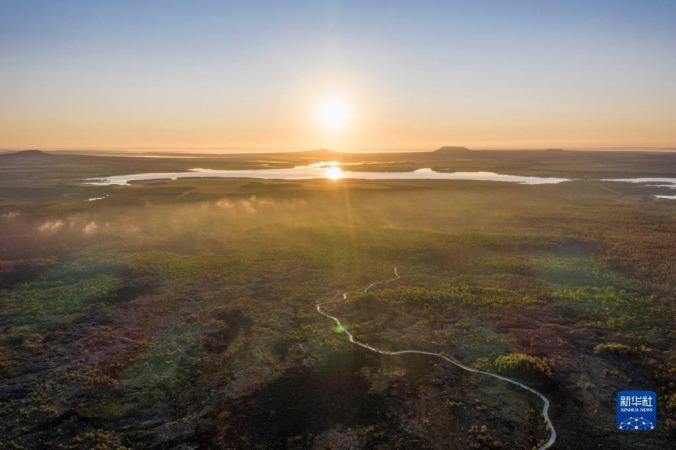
180 314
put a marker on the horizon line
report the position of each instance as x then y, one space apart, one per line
260 150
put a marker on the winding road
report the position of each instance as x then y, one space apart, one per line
545 400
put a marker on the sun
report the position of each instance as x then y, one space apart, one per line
333 114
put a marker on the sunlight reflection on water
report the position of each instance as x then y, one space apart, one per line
326 170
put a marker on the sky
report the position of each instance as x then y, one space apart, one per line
413 75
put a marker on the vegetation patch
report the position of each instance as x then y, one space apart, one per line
523 365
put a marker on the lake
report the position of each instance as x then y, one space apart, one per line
655 182
332 170
326 170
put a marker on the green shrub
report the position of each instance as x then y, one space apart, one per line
524 365
615 349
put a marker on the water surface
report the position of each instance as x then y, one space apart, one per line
654 182
326 170
333 170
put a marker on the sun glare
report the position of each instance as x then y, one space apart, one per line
334 173
333 114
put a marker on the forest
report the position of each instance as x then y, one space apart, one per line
181 313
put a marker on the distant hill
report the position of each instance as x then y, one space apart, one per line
452 152
37 158
26 155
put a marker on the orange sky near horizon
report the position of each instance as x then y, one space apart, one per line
222 76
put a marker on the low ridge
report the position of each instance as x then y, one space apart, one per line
26 154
